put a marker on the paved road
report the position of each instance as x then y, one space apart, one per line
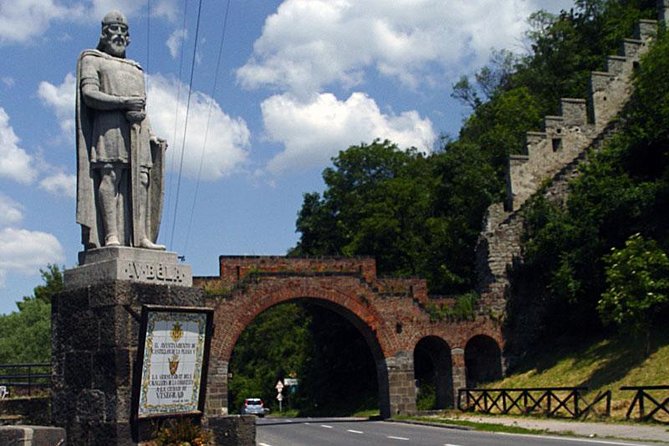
350 432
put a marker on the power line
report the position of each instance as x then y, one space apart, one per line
183 145
148 40
176 110
206 132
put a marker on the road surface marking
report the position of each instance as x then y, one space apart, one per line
326 426
354 431
582 440
398 438
264 444
448 444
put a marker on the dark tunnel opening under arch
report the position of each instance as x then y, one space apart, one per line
332 353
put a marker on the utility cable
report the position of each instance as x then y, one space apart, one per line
176 111
183 144
206 131
148 41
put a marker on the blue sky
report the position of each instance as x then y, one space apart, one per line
299 80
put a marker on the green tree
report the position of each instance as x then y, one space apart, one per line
637 278
25 335
376 203
53 283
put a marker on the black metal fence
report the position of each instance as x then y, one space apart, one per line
24 379
548 401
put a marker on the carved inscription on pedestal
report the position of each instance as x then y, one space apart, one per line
154 272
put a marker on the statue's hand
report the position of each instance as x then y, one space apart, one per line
134 103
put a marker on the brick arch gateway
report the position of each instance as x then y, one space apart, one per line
391 314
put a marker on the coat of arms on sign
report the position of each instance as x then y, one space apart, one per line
174 364
177 332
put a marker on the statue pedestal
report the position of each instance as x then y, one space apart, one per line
128 264
95 335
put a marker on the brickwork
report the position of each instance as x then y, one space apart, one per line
390 314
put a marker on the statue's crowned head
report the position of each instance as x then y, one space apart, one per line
115 35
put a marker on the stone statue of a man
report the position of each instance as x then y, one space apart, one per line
119 160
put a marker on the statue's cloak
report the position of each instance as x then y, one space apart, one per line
88 215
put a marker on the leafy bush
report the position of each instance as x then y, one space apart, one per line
637 277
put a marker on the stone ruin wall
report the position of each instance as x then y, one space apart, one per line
551 159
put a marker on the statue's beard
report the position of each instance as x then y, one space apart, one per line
117 46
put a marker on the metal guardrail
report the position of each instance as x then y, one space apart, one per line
549 401
643 396
25 377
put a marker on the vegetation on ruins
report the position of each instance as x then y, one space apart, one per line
421 214
623 191
364 209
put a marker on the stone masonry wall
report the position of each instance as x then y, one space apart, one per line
567 135
552 159
95 333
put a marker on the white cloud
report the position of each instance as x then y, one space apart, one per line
23 251
60 184
11 212
60 98
8 81
175 41
161 8
227 139
22 20
314 131
166 9
15 163
306 45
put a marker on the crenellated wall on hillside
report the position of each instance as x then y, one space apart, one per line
565 136
551 159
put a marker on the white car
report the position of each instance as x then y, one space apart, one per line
253 406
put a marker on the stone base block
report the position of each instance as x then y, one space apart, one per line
130 264
32 436
237 430
95 343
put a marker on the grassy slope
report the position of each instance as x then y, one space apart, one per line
600 365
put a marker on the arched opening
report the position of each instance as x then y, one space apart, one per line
483 360
324 348
433 371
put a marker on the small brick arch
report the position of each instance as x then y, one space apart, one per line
437 351
483 360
